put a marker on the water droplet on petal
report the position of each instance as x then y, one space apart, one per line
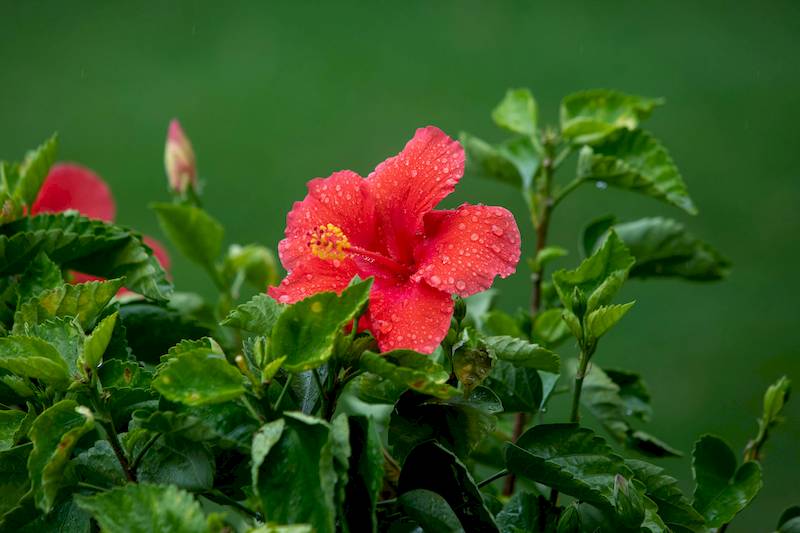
474 236
497 230
284 298
435 281
460 285
414 173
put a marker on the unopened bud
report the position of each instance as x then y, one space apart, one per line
460 309
179 160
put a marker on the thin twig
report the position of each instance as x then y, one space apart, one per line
494 477
149 444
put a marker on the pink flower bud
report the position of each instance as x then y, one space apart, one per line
179 159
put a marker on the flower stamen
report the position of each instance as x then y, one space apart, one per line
328 242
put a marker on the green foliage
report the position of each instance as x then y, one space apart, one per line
544 454
409 369
590 116
258 316
636 161
33 170
722 489
54 434
193 231
90 246
199 376
145 508
517 112
84 301
122 412
305 332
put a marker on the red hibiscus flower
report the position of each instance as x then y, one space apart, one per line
385 226
71 186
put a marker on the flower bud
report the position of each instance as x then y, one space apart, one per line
179 160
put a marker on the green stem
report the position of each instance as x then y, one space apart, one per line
493 477
111 434
149 444
252 410
566 189
583 363
220 497
283 392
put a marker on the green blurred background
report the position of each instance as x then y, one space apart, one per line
273 94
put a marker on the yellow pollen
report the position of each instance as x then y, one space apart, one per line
328 242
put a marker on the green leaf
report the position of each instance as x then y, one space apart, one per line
54 434
65 516
549 328
145 508
519 389
293 472
613 405
569 458
458 423
409 369
34 358
10 422
42 274
34 169
95 345
152 329
99 466
789 521
589 116
305 332
522 513
90 246
673 507
85 301
775 399
199 376
513 162
522 353
593 233
430 511
253 263
602 319
365 475
432 467
65 335
194 232
722 489
258 315
471 367
637 161
517 112
174 460
14 483
664 247
598 277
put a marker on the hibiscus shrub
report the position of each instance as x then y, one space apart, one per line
375 388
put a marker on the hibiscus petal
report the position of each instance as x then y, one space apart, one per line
70 186
409 315
341 199
312 276
407 186
466 248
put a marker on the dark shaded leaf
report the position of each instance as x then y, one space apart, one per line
672 506
430 510
572 459
432 467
